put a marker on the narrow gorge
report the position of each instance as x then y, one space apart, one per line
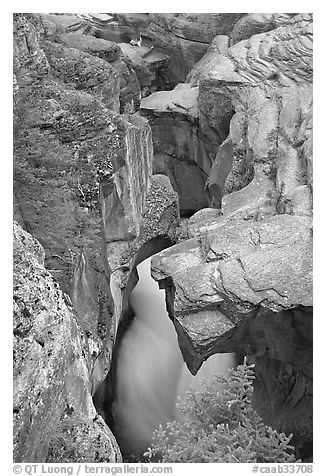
162 224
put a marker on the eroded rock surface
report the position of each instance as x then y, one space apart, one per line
159 229
171 42
246 272
84 188
186 36
111 52
51 374
77 161
236 136
270 131
263 168
183 149
233 269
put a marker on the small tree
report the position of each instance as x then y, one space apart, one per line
219 425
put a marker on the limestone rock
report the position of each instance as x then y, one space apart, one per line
181 149
124 197
243 282
272 104
160 228
180 39
187 36
106 50
30 63
62 23
84 72
50 371
149 65
71 155
112 53
220 279
256 23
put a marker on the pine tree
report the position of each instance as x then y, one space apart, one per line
219 425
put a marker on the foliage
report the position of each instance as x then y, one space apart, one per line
219 425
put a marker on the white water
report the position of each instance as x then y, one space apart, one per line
150 369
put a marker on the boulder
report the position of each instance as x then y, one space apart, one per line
112 53
84 72
220 278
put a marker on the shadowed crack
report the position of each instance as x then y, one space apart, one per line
260 289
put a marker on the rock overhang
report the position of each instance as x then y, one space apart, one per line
223 276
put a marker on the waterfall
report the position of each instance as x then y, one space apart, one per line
151 373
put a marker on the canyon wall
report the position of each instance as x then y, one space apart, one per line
54 415
84 189
242 282
224 136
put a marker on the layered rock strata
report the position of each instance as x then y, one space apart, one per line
185 37
184 142
236 136
84 189
171 45
246 272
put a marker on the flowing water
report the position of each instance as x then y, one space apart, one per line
151 373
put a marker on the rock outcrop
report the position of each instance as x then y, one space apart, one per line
234 135
270 131
171 45
185 37
180 150
184 141
51 374
246 270
221 278
83 186
130 89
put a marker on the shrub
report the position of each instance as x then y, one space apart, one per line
219 425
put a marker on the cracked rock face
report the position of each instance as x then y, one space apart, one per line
51 373
270 133
227 273
184 143
111 52
246 271
236 136
187 36
83 186
159 229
